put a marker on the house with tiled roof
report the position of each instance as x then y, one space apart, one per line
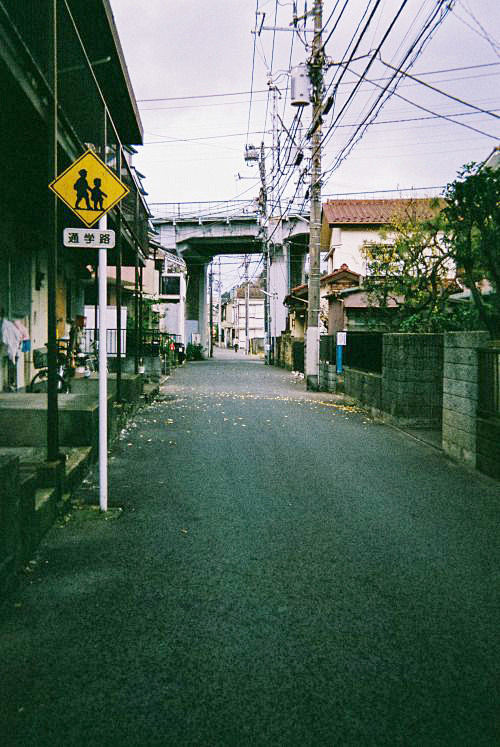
330 284
348 224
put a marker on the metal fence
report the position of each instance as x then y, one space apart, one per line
363 350
90 336
151 342
489 382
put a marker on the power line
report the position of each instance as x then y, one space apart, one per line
435 114
420 40
438 90
265 90
482 32
367 67
346 83
200 96
432 22
253 69
205 137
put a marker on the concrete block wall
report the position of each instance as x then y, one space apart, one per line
412 377
365 387
327 377
286 352
460 394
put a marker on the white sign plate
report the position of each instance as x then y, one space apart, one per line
88 238
341 338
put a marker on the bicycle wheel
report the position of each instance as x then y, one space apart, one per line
39 383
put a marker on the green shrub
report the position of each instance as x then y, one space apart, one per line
194 352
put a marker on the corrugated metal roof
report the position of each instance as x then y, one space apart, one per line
375 212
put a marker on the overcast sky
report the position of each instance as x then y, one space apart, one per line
178 51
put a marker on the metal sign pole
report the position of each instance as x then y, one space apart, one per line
103 373
52 242
75 179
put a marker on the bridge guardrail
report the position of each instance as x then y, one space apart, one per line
215 209
195 210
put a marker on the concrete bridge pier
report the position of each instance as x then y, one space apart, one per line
196 303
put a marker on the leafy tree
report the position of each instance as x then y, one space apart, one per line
423 259
472 215
408 273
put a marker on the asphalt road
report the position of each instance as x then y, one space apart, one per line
284 572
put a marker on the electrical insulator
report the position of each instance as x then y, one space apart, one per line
300 86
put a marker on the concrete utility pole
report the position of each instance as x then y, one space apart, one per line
316 74
265 251
211 324
247 295
219 325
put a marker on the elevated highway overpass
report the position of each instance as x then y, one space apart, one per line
200 231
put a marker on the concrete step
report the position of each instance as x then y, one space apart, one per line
78 462
45 511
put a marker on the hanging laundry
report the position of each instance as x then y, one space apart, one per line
11 338
25 336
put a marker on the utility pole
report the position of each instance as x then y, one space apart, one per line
265 251
219 324
316 75
247 294
211 324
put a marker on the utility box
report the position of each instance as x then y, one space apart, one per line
300 86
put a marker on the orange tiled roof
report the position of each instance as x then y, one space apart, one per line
375 212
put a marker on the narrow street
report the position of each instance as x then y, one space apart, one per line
284 571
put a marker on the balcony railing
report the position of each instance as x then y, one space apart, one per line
91 336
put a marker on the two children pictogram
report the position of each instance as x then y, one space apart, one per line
82 189
89 188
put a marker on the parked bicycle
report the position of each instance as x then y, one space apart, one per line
90 360
65 369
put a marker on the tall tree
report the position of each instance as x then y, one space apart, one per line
472 215
422 260
410 272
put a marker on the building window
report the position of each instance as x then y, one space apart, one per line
171 285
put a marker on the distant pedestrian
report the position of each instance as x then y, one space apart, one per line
235 346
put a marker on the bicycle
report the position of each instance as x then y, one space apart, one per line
65 370
90 359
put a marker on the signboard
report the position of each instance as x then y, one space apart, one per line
89 188
341 338
88 238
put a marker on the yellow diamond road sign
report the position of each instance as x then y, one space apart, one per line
89 188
